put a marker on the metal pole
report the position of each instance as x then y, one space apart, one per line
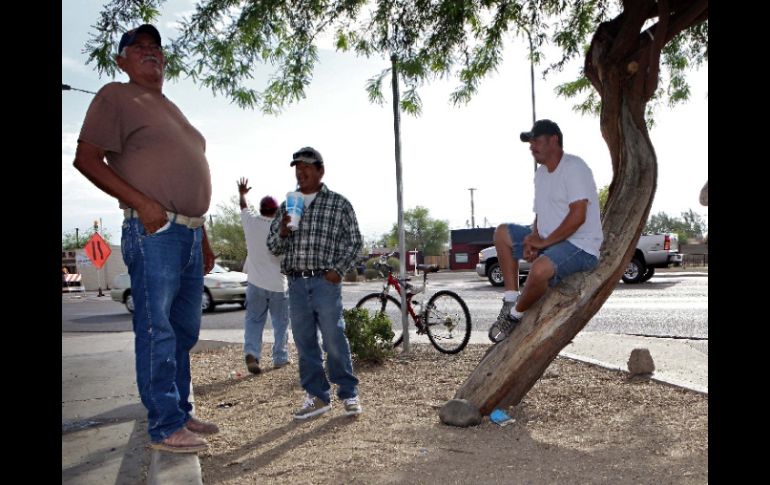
473 220
399 197
98 270
532 80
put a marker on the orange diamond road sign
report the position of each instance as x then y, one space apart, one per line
98 250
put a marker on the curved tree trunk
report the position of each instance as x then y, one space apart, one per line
512 367
622 64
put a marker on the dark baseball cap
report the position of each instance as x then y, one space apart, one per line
130 37
541 127
268 203
306 155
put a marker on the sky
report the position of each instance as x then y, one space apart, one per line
445 151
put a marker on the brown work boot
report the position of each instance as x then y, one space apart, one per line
252 363
181 441
201 427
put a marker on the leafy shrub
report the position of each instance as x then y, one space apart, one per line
370 337
394 263
371 274
351 276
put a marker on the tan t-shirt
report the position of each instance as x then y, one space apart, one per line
150 143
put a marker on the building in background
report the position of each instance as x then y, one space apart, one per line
466 244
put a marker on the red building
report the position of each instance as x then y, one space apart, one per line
466 244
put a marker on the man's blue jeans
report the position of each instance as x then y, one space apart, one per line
316 304
166 270
258 302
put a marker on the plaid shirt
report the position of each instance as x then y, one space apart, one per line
327 238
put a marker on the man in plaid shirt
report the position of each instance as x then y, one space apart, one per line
316 256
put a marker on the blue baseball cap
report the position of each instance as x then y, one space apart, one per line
130 37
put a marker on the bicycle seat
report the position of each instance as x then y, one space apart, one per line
428 268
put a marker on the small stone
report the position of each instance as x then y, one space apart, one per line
640 362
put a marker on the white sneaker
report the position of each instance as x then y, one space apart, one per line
312 406
352 406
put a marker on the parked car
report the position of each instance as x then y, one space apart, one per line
489 267
652 251
219 286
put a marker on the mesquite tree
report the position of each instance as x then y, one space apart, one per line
636 55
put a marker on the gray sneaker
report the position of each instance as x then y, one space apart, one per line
312 406
505 311
502 328
352 406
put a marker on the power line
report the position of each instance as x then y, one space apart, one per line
67 87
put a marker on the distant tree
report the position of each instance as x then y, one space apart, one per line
225 232
689 227
604 192
420 231
384 240
660 223
694 224
69 242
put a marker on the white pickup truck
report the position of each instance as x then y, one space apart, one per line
652 251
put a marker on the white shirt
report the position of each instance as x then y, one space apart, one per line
262 268
555 191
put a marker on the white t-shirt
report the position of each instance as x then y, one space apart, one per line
554 192
309 198
262 268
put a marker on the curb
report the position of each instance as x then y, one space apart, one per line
170 468
656 378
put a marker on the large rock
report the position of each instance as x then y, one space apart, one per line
461 413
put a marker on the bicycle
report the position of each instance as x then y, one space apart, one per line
445 319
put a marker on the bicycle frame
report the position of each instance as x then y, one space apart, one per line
394 282
444 316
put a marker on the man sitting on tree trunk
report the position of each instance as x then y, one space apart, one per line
566 235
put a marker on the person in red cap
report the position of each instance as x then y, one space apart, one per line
137 146
267 290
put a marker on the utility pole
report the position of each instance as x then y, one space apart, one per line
77 238
473 220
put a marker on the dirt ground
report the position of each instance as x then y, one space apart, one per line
578 424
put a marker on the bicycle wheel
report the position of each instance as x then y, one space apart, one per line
375 303
448 322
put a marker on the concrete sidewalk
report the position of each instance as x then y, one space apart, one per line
104 437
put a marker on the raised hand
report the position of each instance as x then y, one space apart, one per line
243 188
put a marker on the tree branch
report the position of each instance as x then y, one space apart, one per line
693 14
635 13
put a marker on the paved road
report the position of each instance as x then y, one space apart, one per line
668 305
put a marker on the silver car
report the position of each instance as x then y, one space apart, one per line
219 286
489 267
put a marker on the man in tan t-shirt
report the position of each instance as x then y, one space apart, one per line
138 147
